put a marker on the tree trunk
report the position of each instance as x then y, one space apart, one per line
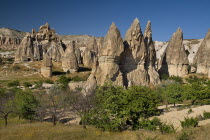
84 124
54 120
174 104
5 119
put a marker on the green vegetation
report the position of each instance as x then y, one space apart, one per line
189 122
14 83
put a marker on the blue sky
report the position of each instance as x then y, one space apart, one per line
93 17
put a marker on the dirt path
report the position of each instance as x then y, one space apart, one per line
174 117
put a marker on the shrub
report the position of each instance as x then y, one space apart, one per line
27 84
149 124
185 135
206 115
38 84
14 83
165 128
189 122
77 79
49 81
190 111
15 68
176 78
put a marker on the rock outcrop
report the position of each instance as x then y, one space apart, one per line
134 57
34 45
175 61
10 39
202 58
151 56
106 68
46 69
69 60
90 53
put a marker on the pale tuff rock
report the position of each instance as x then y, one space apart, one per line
151 56
90 53
10 39
34 45
175 61
106 69
69 60
46 69
78 55
134 57
202 58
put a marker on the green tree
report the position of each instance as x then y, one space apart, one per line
26 104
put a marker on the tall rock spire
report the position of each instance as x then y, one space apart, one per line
202 58
175 61
107 66
134 57
151 56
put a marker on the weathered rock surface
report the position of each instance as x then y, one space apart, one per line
46 69
34 45
151 56
175 61
202 58
134 57
10 39
90 53
69 60
106 68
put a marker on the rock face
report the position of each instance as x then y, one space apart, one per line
175 61
46 69
107 69
90 53
151 56
134 57
69 60
10 39
202 58
34 45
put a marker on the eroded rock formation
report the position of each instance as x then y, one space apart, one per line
175 61
134 57
202 58
34 45
106 68
151 56
69 60
46 69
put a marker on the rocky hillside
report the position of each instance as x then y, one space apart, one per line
10 39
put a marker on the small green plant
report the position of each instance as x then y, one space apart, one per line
49 81
27 84
14 83
189 122
185 135
38 84
190 111
16 68
206 115
77 79
165 128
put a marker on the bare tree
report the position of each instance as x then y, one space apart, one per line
6 104
81 103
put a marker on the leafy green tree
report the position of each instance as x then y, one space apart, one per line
117 108
26 104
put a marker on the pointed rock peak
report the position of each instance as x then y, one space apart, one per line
47 24
136 20
148 29
179 30
113 25
148 24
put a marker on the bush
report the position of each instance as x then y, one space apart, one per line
38 84
189 122
185 135
206 115
14 83
77 79
27 84
165 128
49 81
176 78
15 68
